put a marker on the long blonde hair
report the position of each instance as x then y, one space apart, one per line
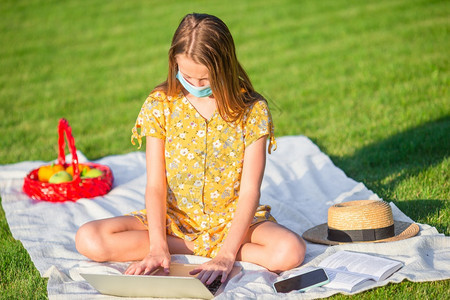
207 40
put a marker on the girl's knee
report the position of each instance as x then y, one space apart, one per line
298 248
288 253
89 242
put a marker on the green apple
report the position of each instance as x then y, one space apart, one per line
59 177
92 173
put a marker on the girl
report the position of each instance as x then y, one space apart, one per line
206 130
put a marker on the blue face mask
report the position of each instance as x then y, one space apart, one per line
199 92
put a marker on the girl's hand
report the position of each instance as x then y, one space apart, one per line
209 271
150 263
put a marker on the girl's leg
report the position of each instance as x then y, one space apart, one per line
272 246
122 238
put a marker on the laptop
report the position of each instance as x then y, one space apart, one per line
177 284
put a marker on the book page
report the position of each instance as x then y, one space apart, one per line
376 267
346 281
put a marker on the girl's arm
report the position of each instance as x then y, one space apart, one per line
155 203
252 175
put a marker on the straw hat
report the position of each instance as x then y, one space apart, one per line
360 221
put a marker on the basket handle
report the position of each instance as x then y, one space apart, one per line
63 127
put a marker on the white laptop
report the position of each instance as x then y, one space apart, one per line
178 284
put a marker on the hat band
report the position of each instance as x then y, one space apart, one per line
361 235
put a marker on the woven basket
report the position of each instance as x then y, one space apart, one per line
72 190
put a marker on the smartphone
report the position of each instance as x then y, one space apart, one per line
302 282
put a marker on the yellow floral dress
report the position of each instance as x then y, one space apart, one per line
204 160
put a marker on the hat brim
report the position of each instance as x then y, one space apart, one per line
319 234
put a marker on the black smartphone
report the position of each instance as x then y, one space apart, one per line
302 282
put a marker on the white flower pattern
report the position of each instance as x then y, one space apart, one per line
204 160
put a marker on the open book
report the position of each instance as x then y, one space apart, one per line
351 271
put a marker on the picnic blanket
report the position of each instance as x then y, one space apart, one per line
300 183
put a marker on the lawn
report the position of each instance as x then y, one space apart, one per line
367 81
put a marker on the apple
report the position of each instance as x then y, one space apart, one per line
60 177
92 173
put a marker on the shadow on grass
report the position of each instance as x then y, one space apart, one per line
382 166
406 153
428 211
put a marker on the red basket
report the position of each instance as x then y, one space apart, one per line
72 190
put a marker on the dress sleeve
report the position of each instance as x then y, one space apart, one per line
150 121
258 123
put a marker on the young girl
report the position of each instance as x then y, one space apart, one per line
206 131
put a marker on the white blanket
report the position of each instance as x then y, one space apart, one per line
300 184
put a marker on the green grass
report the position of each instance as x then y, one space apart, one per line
365 80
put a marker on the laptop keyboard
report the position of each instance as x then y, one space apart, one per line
215 285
